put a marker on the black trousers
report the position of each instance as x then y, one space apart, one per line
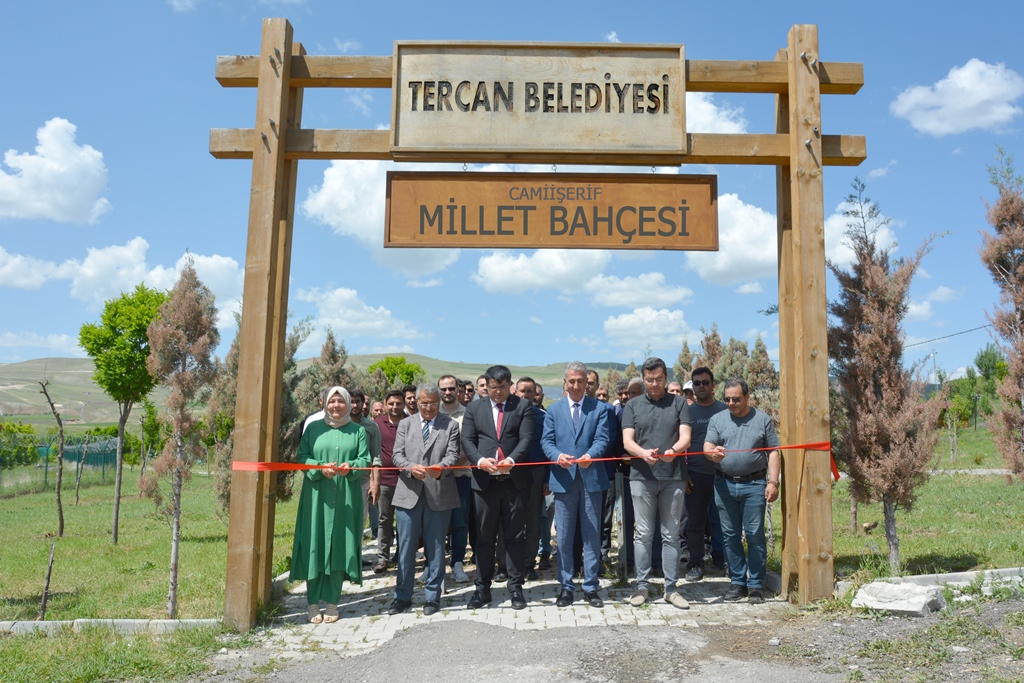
501 504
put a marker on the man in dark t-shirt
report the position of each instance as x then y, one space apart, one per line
655 428
700 496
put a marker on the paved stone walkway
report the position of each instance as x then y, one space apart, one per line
364 623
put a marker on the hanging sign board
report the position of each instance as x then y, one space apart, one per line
538 100
551 210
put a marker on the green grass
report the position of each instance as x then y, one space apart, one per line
98 654
960 522
977 451
94 579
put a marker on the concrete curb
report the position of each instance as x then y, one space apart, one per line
1012 575
123 626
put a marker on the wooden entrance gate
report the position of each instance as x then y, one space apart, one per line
797 148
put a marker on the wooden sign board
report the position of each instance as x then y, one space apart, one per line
576 99
551 210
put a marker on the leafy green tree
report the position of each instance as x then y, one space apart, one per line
398 371
991 363
763 379
710 348
183 338
631 371
17 445
119 348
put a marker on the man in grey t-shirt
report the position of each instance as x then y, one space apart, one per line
747 480
656 427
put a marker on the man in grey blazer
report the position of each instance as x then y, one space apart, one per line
575 433
425 496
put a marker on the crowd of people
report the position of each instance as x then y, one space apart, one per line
454 465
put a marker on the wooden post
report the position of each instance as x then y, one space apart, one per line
808 384
260 357
788 340
284 250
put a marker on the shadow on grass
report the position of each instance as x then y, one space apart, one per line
877 565
209 538
943 563
27 608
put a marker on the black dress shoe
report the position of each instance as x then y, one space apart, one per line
501 575
593 599
532 575
545 562
479 599
564 598
518 599
399 606
430 608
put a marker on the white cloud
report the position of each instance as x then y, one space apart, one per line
350 317
61 181
182 5
630 292
659 328
535 320
919 310
976 95
405 348
837 248
943 294
360 99
612 37
752 287
567 270
590 341
421 284
24 272
107 272
704 116
351 201
746 245
881 172
344 46
923 274
63 343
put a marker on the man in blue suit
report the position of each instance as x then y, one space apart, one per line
575 433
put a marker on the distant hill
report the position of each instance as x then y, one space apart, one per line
84 402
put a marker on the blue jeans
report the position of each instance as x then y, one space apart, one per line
432 526
667 498
578 506
741 507
460 520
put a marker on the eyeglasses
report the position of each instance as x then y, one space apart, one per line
427 404
447 388
732 399
701 382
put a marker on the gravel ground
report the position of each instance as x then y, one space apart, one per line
979 642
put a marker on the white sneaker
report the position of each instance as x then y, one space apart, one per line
677 601
459 573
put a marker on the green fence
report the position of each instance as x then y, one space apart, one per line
30 463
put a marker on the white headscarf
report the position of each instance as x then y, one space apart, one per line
344 419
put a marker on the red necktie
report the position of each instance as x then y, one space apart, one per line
497 428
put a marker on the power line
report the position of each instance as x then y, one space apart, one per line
929 341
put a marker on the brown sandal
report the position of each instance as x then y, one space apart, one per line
330 614
314 614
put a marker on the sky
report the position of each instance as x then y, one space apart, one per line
107 181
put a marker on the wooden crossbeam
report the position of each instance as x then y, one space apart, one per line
743 76
705 148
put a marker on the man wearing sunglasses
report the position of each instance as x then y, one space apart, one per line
700 493
747 479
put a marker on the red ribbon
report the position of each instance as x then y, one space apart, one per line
246 466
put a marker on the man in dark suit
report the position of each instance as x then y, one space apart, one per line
426 494
496 433
575 433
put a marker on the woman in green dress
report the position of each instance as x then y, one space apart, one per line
328 528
